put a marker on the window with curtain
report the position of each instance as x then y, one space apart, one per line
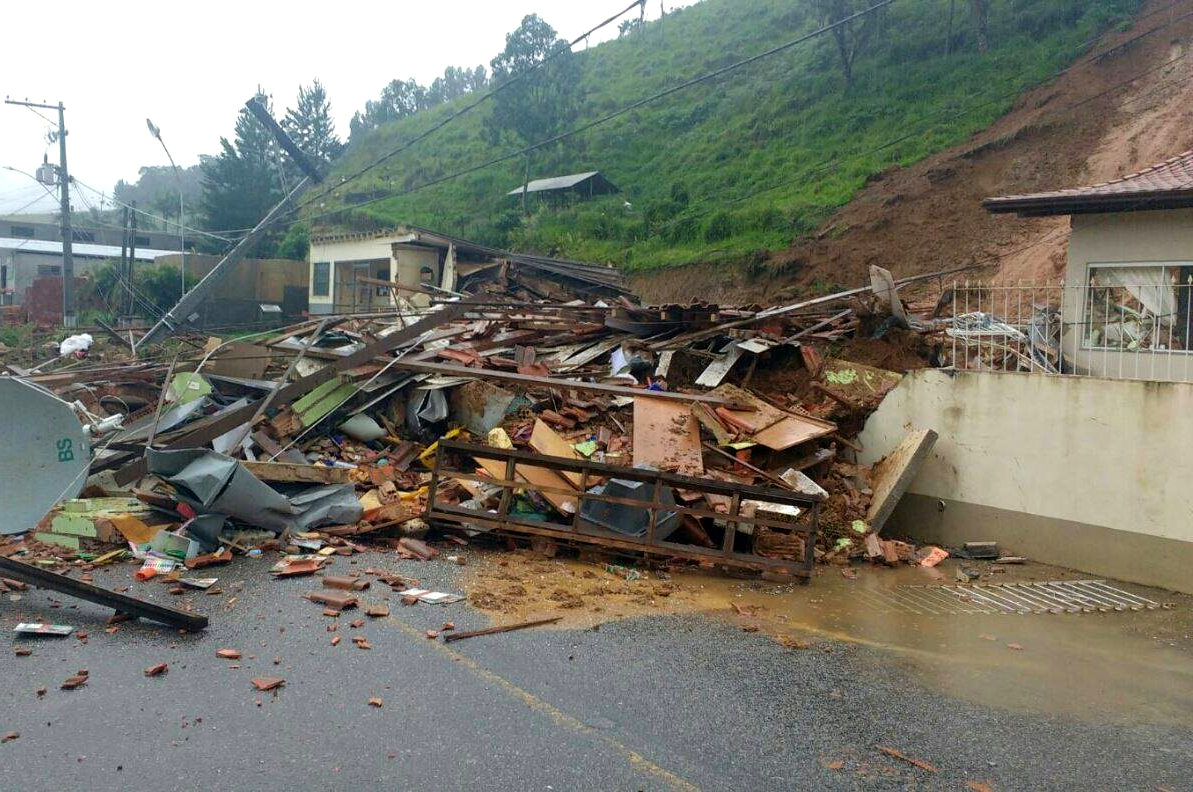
1134 307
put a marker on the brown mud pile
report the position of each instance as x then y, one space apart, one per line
1091 124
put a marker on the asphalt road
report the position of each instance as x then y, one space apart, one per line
662 702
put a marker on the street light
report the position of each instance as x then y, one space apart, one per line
157 133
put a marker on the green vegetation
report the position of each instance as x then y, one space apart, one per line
747 162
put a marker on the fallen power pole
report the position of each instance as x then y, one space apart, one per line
183 313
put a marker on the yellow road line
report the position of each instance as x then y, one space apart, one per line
636 760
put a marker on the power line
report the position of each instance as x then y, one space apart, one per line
467 108
615 113
827 166
163 220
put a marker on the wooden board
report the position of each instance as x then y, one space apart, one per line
539 476
238 359
770 426
546 441
667 437
303 474
893 475
793 430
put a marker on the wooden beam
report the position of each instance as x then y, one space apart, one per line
43 578
552 382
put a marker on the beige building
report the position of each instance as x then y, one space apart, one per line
1127 301
363 272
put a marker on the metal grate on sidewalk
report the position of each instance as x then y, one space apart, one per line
1054 596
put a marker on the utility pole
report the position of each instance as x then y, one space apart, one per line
68 262
132 258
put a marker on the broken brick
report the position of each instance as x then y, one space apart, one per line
76 681
374 702
157 669
335 640
267 683
333 599
228 654
345 582
377 611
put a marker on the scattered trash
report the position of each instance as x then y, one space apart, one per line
42 629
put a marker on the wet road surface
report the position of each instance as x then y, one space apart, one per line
679 701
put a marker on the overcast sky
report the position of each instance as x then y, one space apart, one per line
191 66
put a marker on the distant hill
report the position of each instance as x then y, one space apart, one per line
750 162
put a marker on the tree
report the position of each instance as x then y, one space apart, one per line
454 83
539 106
310 124
242 183
979 11
853 36
399 99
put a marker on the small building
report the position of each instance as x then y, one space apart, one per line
24 260
363 272
584 185
1126 306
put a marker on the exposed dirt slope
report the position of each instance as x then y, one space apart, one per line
1084 127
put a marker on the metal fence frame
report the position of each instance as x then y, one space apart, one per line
1046 328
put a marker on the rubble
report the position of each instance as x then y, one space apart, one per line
642 437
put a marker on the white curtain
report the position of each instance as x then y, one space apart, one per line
1151 286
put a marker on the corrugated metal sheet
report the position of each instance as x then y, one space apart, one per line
78 248
554 183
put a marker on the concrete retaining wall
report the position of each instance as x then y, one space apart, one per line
1091 474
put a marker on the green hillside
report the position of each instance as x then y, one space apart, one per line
748 162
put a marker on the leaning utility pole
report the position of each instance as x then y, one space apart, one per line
68 262
183 313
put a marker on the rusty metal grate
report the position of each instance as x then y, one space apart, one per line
1052 596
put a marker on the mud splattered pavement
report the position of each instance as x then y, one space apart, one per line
635 689
1104 667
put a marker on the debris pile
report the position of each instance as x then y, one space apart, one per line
719 437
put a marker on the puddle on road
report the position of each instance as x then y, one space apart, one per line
1132 667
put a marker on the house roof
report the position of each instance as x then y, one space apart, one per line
1166 185
82 249
566 183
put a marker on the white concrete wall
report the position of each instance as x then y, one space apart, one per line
1123 239
1078 471
343 251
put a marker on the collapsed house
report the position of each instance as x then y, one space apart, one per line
541 404
354 273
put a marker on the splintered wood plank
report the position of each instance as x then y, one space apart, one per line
290 472
892 476
546 441
667 437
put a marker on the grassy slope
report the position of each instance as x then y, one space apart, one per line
786 126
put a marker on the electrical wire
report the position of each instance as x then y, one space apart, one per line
466 108
703 78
